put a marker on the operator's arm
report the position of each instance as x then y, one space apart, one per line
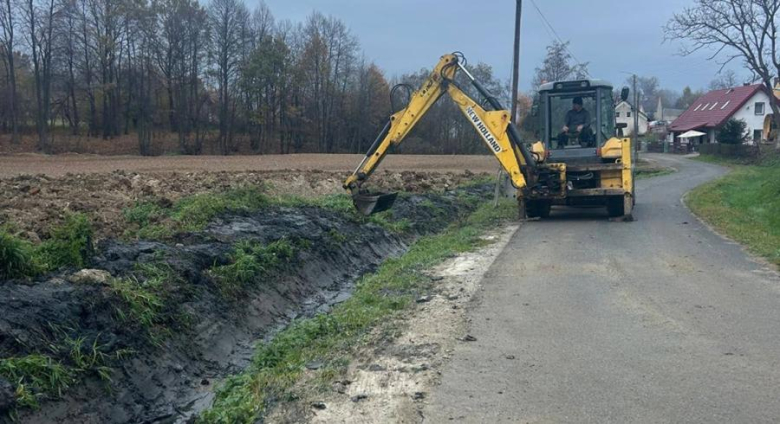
586 124
402 122
567 121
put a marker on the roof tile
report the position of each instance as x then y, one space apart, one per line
713 117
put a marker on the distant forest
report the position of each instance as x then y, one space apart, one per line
175 76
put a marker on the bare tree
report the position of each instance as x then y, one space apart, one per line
228 18
8 22
558 66
40 25
744 30
726 79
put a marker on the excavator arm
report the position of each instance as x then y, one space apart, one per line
494 127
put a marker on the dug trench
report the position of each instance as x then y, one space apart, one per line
151 327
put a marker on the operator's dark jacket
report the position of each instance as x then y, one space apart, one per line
574 118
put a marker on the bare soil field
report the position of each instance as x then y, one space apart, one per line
59 165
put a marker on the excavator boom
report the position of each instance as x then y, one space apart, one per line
494 127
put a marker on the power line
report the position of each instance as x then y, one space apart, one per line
560 40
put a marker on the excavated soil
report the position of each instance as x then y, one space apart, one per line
32 204
171 380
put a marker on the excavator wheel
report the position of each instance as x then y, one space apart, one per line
615 206
537 208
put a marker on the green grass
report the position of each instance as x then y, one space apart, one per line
149 221
69 245
341 203
16 257
141 304
36 376
744 205
724 160
643 174
194 212
377 297
250 262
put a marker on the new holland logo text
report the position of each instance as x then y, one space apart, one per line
483 130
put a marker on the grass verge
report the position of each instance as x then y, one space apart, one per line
743 205
277 365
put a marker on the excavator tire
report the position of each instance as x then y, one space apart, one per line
615 206
538 208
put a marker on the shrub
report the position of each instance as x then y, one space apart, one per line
732 132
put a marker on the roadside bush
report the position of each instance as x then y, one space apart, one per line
732 132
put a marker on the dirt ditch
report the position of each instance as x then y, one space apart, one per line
163 367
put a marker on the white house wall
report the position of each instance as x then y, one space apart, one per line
747 113
623 108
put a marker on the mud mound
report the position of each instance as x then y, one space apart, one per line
200 334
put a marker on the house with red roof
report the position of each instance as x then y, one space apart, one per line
706 115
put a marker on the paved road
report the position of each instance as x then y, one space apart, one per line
655 321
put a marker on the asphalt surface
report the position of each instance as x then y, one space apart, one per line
588 321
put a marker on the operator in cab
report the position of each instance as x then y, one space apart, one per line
577 121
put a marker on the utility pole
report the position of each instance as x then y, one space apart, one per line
516 61
635 133
503 178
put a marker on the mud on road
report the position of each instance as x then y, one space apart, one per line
164 369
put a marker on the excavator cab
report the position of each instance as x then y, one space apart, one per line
555 101
600 168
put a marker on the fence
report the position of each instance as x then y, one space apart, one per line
730 150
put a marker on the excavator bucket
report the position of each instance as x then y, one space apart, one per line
369 204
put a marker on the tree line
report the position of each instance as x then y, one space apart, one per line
220 75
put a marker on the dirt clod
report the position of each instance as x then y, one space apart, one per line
359 397
90 276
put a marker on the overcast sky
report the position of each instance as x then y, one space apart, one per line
615 37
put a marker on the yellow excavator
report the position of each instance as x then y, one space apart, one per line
562 168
